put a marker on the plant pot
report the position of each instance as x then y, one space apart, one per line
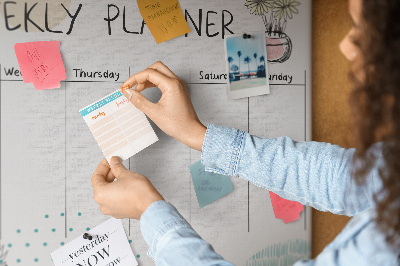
279 47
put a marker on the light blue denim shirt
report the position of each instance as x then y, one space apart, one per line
312 173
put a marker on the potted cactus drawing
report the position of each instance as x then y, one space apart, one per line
275 15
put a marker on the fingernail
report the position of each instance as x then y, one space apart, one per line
127 93
115 160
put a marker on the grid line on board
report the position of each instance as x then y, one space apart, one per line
190 187
305 132
190 162
65 157
0 157
190 180
129 167
188 83
248 182
129 221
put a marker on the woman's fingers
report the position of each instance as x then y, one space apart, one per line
159 80
142 86
141 102
160 67
117 167
145 79
100 175
110 177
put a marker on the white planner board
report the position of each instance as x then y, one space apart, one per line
48 154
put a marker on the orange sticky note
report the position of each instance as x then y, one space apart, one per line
164 18
41 63
284 209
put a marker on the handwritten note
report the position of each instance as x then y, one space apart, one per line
164 18
284 209
109 246
118 126
41 63
209 186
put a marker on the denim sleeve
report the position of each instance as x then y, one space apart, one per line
312 173
172 241
360 243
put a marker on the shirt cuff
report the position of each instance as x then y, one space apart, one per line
158 219
222 148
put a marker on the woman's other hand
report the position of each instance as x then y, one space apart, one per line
128 197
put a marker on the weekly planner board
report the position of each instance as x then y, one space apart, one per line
48 153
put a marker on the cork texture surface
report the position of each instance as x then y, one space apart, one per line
331 90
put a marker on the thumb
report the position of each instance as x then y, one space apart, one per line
138 100
100 174
117 167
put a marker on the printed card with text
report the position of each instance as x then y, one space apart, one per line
108 246
118 126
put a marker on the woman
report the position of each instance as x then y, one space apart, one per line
362 182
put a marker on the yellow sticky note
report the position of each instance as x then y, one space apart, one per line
164 18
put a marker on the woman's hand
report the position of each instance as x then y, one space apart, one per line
127 197
174 113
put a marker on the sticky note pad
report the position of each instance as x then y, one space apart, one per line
41 63
284 209
164 18
209 186
108 246
118 126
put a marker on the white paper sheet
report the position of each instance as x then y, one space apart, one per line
108 247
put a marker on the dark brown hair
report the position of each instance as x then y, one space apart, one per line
375 103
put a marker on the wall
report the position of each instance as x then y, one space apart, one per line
331 89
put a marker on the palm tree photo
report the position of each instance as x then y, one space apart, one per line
230 60
239 53
262 59
247 61
255 60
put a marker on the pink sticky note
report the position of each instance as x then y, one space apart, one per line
41 63
284 209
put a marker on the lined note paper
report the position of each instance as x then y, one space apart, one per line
164 18
118 126
41 63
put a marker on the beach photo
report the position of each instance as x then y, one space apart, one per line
246 58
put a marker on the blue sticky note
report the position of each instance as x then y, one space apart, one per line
209 186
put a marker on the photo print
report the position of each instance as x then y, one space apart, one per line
246 58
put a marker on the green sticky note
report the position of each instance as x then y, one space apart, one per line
209 186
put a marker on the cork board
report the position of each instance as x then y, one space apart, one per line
330 97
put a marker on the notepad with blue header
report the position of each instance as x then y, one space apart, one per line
118 126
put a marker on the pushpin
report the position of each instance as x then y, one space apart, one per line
87 236
246 36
